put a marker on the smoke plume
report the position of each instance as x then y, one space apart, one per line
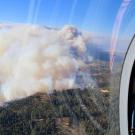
39 59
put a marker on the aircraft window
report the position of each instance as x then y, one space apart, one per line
61 64
131 103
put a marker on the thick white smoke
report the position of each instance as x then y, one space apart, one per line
38 59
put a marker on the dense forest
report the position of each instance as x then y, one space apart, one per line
69 112
74 112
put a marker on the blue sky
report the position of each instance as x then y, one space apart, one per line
93 15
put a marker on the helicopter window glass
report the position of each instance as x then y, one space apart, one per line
60 65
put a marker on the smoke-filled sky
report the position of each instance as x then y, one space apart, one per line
40 59
29 53
97 16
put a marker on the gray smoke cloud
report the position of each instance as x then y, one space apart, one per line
39 59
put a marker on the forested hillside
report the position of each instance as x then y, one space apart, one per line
70 112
